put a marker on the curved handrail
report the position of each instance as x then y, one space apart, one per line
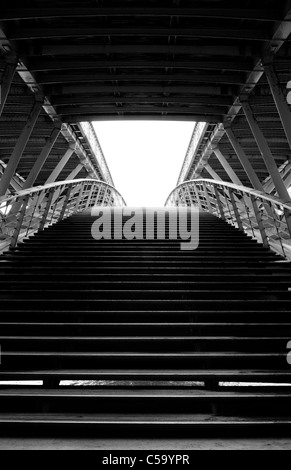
264 217
250 191
33 209
36 189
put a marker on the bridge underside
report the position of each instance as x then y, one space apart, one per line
170 60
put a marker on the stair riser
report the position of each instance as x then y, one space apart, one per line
146 345
141 304
141 316
132 296
247 407
60 361
128 284
125 330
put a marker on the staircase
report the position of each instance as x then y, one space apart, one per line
156 331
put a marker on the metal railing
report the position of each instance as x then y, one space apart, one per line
29 211
260 215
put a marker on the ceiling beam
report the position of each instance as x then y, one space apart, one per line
41 65
75 77
204 110
24 34
151 116
257 14
167 90
171 49
95 99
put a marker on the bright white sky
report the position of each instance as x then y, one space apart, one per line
144 157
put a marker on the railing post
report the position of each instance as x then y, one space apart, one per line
98 194
46 210
79 200
260 223
197 196
220 207
104 195
62 214
184 195
236 212
90 196
19 222
207 197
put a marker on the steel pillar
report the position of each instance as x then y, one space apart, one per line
241 155
266 153
60 166
279 98
6 81
212 172
42 157
231 173
20 146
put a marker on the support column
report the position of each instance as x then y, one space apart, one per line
226 166
279 98
74 173
20 146
241 155
212 172
6 81
60 166
266 153
42 157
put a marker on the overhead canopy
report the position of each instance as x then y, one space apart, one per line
170 60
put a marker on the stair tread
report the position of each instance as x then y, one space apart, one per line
143 354
146 372
159 324
153 393
144 338
229 277
142 418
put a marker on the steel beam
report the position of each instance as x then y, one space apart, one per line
255 14
235 64
205 111
266 152
196 77
91 100
75 172
152 116
136 88
230 172
60 166
279 98
26 33
20 146
213 173
169 49
42 157
6 81
241 155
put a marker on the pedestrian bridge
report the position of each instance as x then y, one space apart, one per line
152 327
